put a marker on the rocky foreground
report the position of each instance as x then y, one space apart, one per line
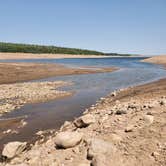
127 128
14 96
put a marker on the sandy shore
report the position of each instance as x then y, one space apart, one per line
157 60
4 56
125 128
8 56
18 72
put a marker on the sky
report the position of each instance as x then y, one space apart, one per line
121 26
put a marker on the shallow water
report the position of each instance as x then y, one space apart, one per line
88 88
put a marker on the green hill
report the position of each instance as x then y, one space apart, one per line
30 48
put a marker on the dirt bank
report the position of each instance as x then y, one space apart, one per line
17 72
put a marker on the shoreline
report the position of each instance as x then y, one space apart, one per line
10 56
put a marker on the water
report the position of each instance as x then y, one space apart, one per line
88 88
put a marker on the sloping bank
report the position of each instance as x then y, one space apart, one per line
125 128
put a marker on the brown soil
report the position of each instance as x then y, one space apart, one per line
17 72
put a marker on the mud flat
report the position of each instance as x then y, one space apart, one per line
18 72
125 128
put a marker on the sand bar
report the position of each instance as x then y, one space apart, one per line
18 72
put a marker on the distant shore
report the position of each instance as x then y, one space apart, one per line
8 56
161 59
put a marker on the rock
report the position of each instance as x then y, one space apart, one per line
120 112
129 128
155 154
7 131
100 160
113 94
67 125
148 119
68 139
162 102
98 146
13 149
84 121
40 133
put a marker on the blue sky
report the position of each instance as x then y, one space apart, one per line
123 26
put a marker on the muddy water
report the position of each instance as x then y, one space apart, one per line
87 89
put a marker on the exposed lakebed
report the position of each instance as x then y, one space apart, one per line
88 88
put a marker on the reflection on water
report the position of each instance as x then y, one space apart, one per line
88 88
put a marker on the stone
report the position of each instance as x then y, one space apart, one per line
162 102
84 121
148 119
129 128
155 154
13 149
100 160
120 112
68 139
113 94
99 146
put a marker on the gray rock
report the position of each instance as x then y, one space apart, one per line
13 149
84 121
98 146
68 139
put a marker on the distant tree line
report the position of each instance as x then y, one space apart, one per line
29 48
39 49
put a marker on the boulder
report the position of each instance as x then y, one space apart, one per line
68 139
98 147
84 121
13 149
